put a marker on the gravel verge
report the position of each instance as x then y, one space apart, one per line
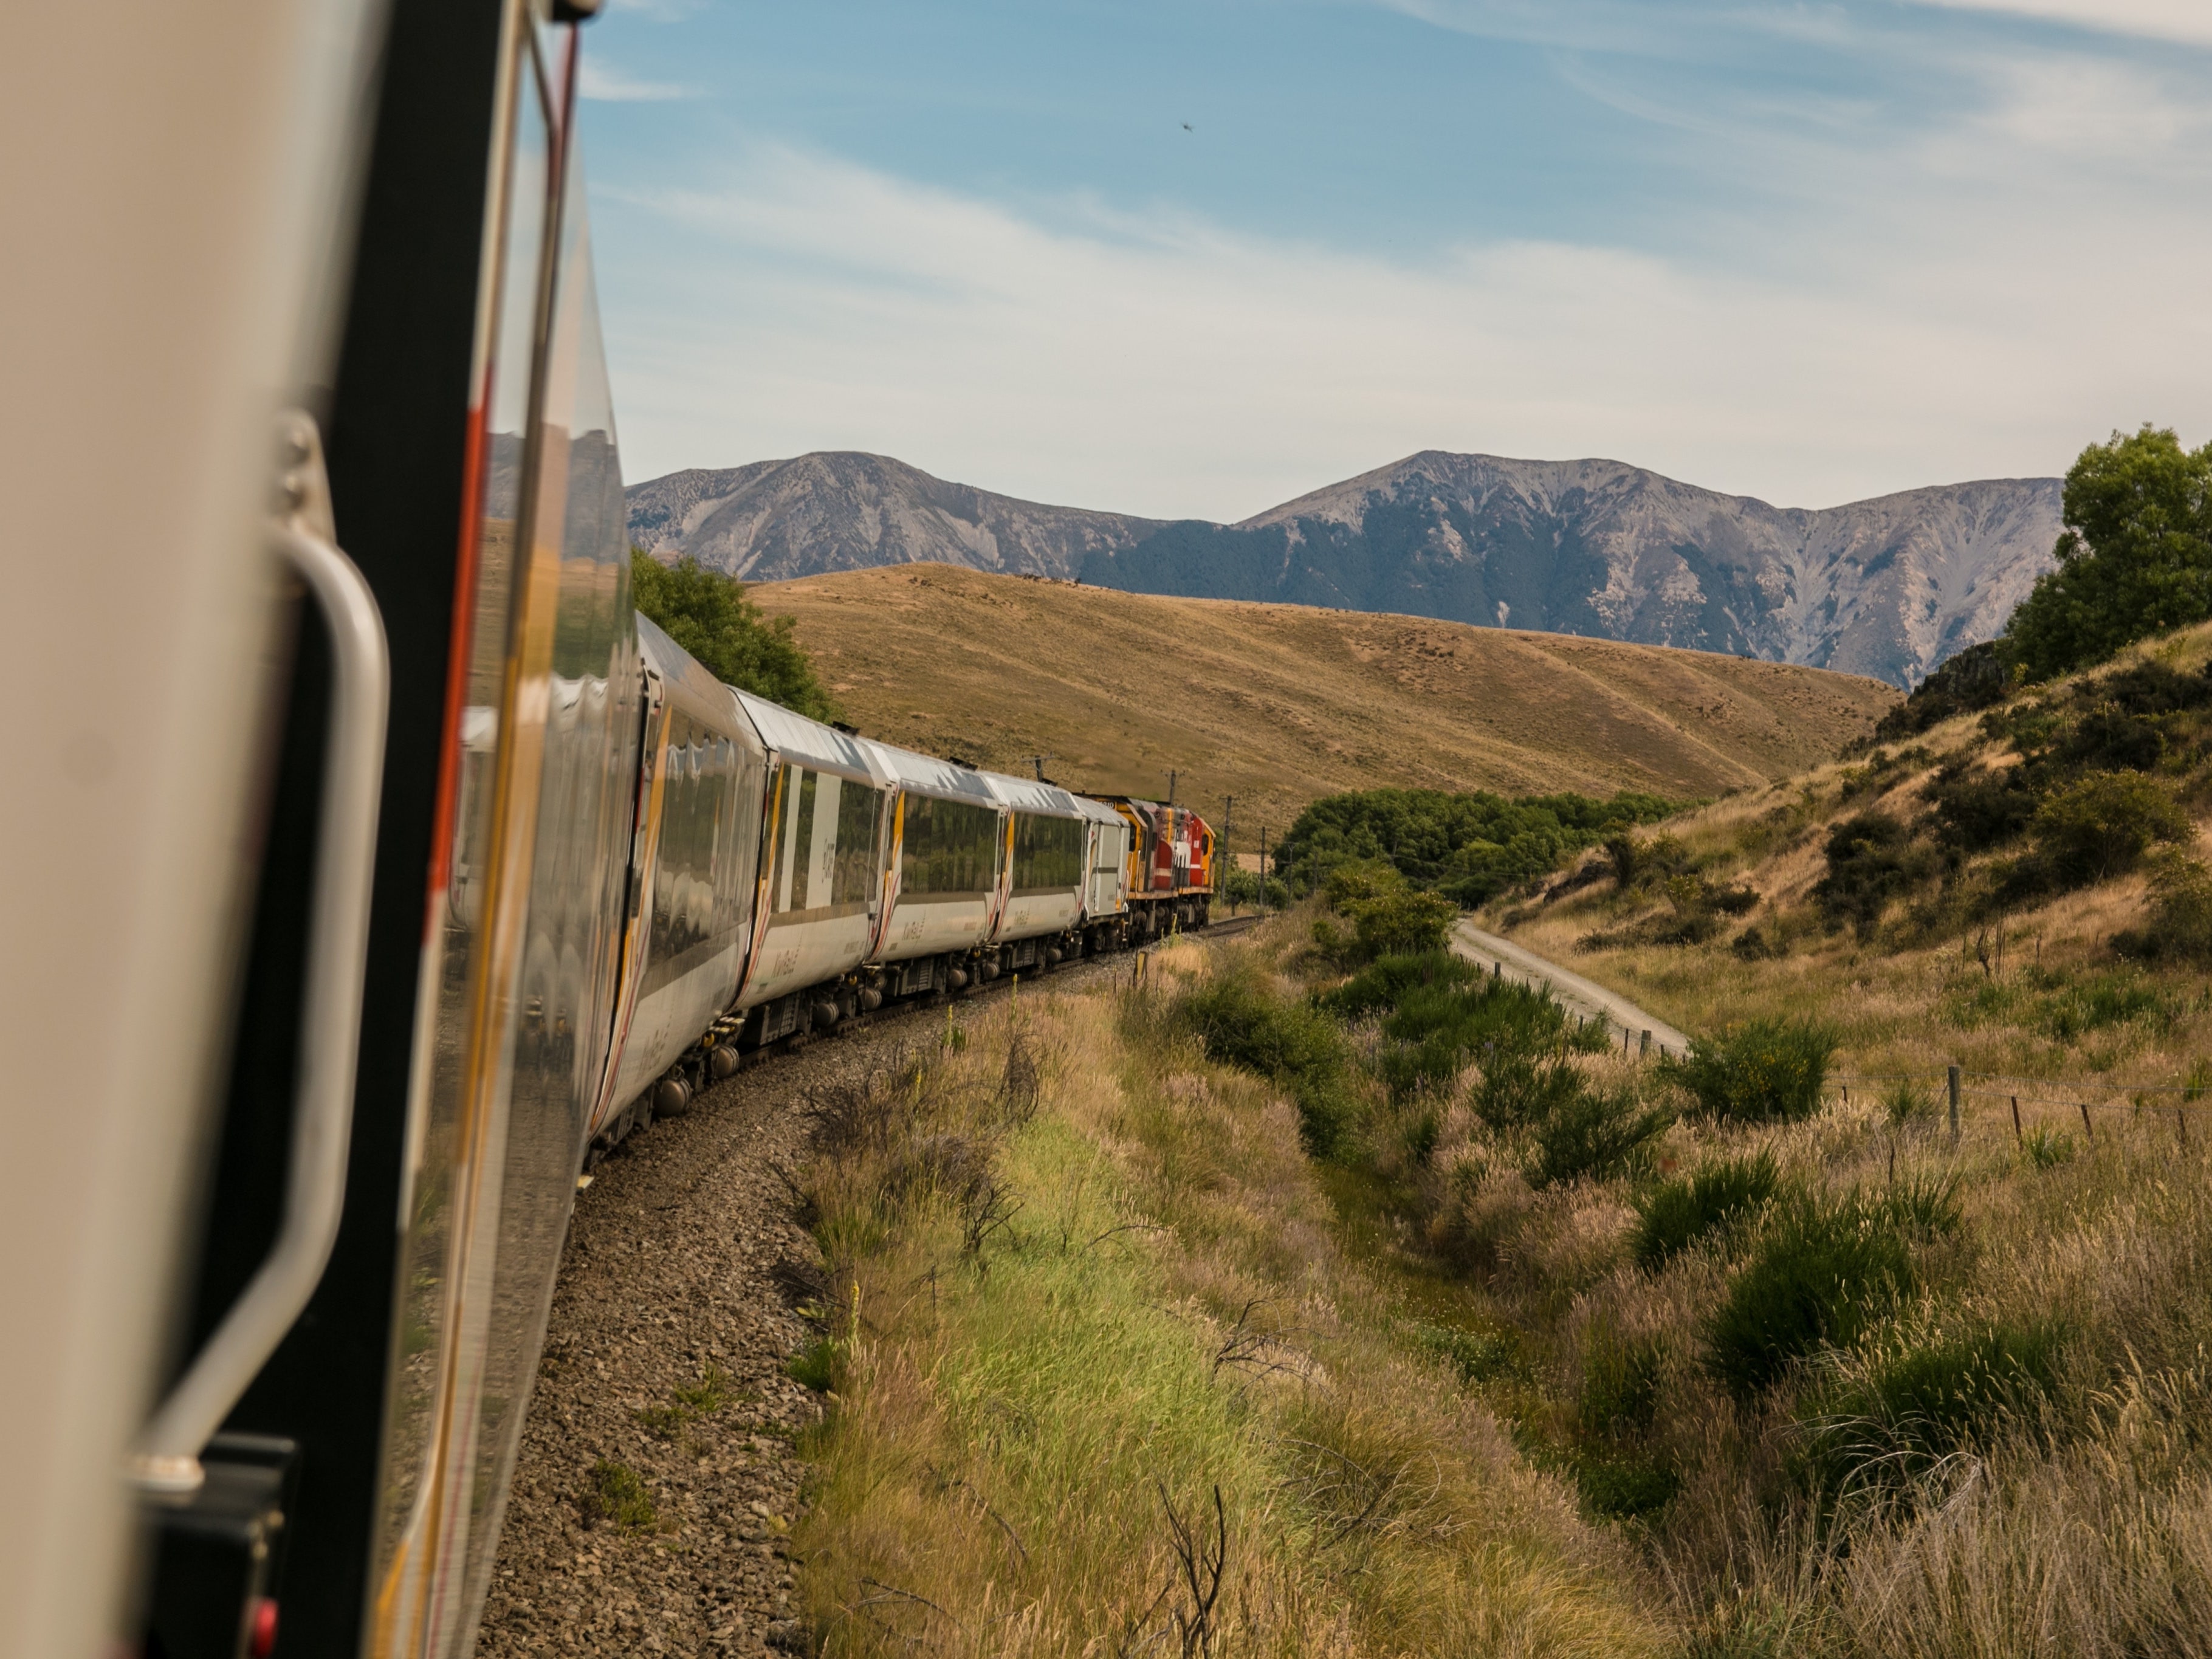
671 1327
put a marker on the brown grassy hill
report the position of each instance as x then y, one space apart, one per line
2000 949
1278 704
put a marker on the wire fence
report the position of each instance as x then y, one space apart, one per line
2092 1098
2086 1096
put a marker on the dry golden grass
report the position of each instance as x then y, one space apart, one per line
1281 704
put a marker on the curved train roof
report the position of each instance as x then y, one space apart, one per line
928 775
688 685
1098 811
1024 794
810 742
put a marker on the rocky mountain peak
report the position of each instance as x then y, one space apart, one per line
1888 587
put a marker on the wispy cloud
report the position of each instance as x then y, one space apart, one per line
1164 366
2185 20
608 85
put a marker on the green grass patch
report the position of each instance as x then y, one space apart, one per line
613 1494
814 1366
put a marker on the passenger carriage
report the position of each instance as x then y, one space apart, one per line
946 846
821 875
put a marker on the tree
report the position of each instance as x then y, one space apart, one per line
2136 558
708 615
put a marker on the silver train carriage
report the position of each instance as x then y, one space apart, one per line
1044 873
941 880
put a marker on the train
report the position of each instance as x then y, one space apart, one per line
373 868
786 877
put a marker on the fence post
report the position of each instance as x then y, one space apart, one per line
1955 1104
2087 1134
2018 1140
1643 1048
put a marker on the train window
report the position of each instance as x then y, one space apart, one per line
853 877
1048 853
947 847
798 859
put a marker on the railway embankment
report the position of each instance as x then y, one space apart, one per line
661 1474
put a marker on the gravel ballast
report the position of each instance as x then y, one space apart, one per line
664 1377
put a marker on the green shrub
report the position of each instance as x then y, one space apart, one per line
1905 1102
1467 847
2180 911
1927 1205
1872 859
1768 1070
1405 923
1241 1023
2047 1149
1383 983
1619 1391
1976 810
1593 1133
2079 1006
2100 826
1387 916
1439 1012
1915 1403
1674 1215
1518 1090
1823 1274
2106 740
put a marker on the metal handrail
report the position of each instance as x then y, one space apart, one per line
166 1460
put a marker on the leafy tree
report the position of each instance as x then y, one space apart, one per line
708 615
1467 846
2136 558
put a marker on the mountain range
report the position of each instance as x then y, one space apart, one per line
1888 587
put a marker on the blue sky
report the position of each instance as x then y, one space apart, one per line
1197 257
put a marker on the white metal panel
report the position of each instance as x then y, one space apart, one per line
170 179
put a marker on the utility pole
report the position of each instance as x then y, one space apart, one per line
1228 858
1038 761
1263 872
1171 783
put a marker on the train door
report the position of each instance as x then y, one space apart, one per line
646 798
